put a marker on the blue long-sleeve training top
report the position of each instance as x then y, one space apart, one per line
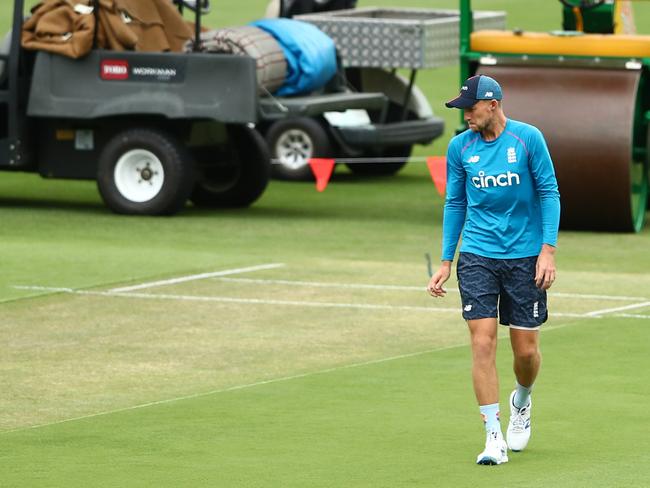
501 194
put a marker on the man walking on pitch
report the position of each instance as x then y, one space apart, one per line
502 194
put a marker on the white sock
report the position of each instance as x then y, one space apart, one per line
522 395
490 414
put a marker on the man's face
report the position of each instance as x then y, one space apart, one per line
479 117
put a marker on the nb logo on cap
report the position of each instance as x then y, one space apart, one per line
489 94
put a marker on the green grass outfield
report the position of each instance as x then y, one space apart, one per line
331 369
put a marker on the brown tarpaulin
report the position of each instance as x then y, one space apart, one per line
67 26
57 27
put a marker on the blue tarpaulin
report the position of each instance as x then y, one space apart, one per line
310 54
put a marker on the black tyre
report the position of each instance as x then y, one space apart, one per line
293 142
145 172
234 176
382 169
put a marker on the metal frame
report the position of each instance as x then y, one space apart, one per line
466 28
11 153
198 10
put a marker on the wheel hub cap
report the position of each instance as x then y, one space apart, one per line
294 149
139 175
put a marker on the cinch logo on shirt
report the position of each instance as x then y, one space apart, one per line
503 179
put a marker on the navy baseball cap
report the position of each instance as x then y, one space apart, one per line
479 87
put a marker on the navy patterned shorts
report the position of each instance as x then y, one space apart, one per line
488 284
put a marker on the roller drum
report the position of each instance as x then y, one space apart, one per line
587 118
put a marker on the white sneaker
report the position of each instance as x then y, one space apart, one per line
518 432
496 450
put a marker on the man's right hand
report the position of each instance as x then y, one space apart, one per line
438 279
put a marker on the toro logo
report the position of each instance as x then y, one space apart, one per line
114 69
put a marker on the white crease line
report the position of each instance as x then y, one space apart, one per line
45 288
296 303
261 301
572 315
320 284
619 309
363 286
256 301
264 382
621 298
200 276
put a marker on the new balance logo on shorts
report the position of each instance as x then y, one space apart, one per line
536 309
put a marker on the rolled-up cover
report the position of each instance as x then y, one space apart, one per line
310 54
587 117
253 42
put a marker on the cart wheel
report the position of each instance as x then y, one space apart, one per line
382 169
144 172
293 142
240 177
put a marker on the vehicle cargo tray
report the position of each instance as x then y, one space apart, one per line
399 37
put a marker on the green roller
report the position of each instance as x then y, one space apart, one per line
588 92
